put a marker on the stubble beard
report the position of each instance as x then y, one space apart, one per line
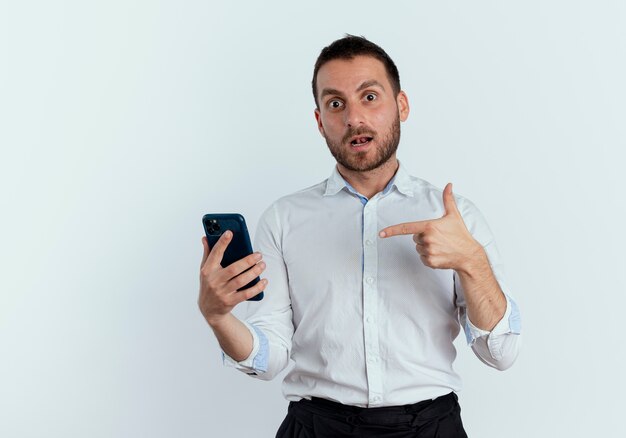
358 162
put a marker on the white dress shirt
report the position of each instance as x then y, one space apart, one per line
365 322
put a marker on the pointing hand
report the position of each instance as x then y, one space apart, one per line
443 243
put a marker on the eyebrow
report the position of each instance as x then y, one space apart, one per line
369 84
363 86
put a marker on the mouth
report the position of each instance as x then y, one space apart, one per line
361 141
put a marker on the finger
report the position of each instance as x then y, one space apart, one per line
419 238
449 203
405 228
251 292
241 265
426 260
207 250
244 278
217 253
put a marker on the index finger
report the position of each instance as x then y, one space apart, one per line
405 228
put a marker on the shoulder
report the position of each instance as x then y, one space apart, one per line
308 194
300 201
426 192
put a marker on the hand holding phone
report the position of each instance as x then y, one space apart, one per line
230 270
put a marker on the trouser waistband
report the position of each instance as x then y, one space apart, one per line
415 414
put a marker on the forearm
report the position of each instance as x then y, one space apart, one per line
485 300
233 336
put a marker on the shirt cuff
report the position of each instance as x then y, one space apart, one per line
510 323
257 360
502 327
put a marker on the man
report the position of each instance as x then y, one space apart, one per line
369 276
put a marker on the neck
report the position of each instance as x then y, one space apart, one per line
372 181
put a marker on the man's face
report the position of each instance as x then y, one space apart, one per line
359 115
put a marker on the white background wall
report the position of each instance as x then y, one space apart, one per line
121 123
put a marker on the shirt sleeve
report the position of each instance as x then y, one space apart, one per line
270 319
499 347
256 362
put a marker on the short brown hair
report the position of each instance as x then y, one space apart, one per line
349 47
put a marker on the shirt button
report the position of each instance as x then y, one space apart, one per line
370 280
376 398
368 242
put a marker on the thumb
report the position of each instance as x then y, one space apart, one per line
449 203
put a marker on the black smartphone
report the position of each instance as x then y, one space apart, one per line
239 246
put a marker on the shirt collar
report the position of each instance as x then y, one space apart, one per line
401 180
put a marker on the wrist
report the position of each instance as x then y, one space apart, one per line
475 263
215 321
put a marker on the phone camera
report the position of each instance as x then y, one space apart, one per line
213 227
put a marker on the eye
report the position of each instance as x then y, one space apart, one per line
370 97
335 104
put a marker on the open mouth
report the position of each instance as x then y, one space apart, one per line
361 141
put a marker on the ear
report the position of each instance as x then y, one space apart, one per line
403 105
318 119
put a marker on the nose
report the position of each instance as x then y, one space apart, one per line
353 116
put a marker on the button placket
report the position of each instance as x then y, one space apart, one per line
370 301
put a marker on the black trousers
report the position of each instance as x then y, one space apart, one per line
320 418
